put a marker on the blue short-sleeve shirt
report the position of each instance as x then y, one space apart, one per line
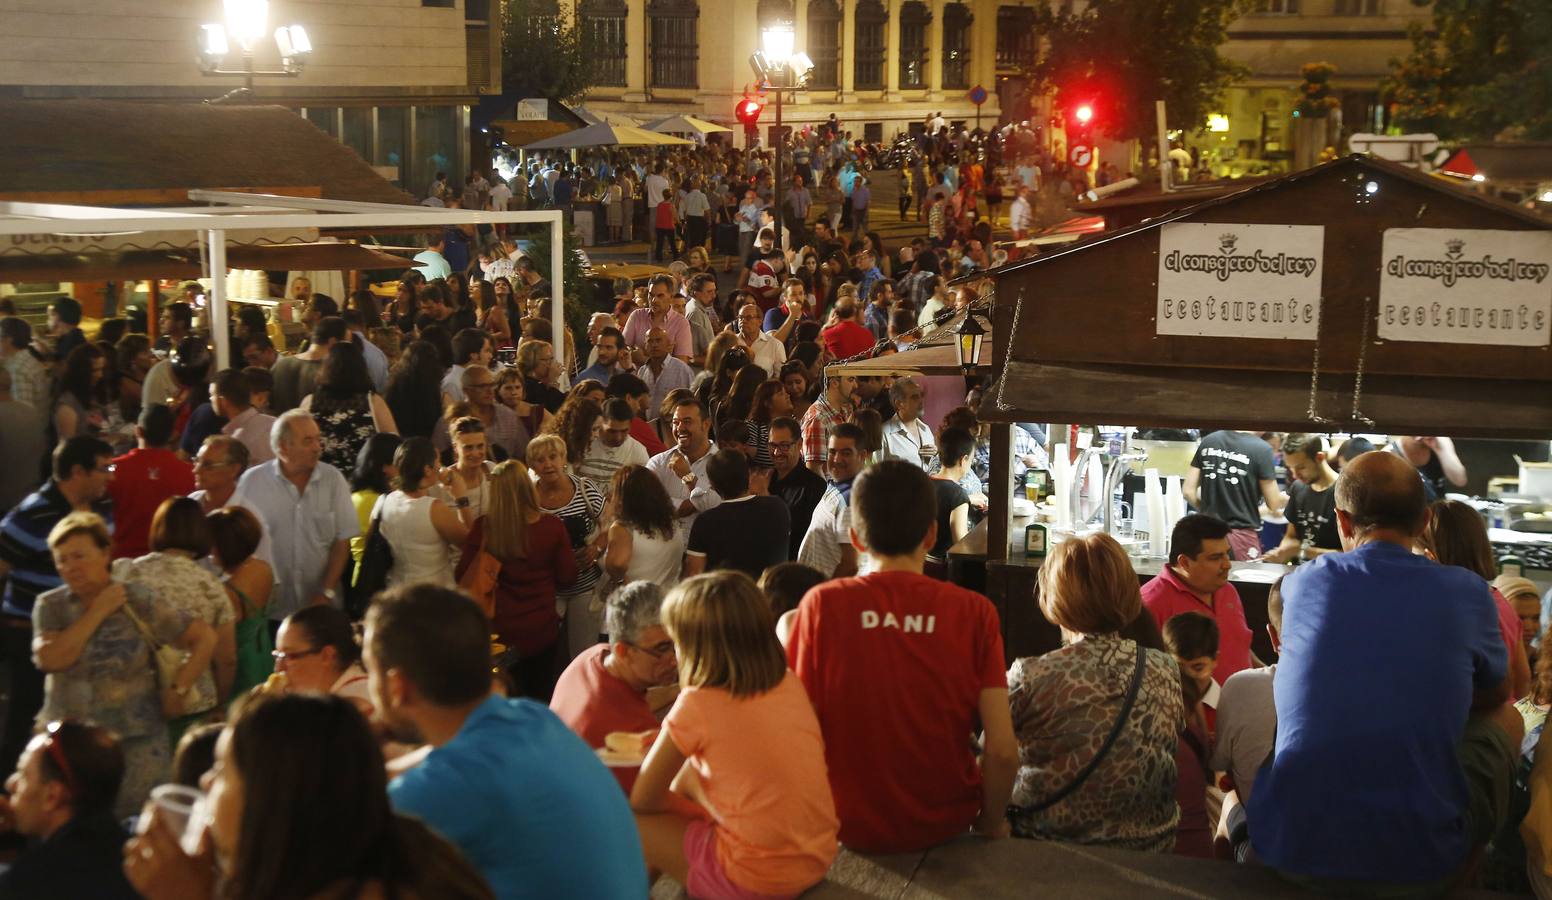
530 806
1382 650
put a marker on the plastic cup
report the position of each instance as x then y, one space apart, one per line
185 810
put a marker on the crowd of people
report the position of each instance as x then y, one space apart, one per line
452 586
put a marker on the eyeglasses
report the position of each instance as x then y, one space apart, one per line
207 464
482 385
57 754
782 446
656 651
282 656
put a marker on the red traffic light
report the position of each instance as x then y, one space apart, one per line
748 110
1084 114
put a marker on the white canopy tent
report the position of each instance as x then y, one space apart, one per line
606 135
244 213
687 125
600 118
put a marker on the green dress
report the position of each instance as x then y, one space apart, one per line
254 644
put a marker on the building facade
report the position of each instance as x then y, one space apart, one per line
392 79
881 66
1255 128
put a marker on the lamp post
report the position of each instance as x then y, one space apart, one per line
247 21
783 69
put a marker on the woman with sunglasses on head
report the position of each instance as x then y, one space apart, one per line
61 800
298 806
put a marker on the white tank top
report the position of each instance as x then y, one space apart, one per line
655 559
419 553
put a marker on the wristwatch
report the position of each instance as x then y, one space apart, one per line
461 503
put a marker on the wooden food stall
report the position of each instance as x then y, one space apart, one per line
1356 296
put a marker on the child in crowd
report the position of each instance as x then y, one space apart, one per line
744 723
784 585
1193 639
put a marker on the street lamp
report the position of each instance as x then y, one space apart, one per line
247 22
779 64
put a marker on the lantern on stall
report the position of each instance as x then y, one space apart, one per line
969 336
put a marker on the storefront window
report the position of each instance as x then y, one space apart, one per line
436 146
824 43
357 131
392 123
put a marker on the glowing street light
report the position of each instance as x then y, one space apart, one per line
247 23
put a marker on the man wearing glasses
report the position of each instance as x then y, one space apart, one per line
827 546
605 689
221 462
795 484
767 349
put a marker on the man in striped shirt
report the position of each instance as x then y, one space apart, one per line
82 473
833 407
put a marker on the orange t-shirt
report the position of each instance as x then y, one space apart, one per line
761 765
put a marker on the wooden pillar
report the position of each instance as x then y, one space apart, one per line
999 492
151 311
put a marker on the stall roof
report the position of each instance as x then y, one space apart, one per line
1083 342
1530 161
934 354
1146 201
173 145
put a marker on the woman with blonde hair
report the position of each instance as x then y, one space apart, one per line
579 505
534 550
1096 720
745 725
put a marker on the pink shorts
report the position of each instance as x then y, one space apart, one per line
707 881
1245 543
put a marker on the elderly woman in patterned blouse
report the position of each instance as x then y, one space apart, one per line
1068 708
95 640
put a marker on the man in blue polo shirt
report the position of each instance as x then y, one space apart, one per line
1395 739
82 473
521 795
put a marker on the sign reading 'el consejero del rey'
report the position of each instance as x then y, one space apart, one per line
1240 281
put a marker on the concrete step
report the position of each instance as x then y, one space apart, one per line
1013 869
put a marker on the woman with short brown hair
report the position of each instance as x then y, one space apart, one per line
1097 719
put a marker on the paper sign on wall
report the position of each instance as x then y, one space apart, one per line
1464 286
1241 281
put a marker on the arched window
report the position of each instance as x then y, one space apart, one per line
872 24
824 43
673 44
914 22
603 29
1015 38
956 45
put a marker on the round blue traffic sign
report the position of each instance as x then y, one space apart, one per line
977 95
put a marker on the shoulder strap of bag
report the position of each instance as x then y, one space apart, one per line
1104 749
140 625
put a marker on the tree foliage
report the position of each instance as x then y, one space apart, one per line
544 53
1120 56
1481 70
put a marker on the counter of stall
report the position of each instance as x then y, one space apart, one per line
1013 585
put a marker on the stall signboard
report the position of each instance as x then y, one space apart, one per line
1466 286
1240 281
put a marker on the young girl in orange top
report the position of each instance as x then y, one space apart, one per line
756 756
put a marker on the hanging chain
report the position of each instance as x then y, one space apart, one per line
1002 380
1363 349
1315 416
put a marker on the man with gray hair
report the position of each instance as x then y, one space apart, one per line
221 462
305 504
604 690
906 436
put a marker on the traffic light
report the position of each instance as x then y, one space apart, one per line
748 110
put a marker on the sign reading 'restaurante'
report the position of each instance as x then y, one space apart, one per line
1241 281
1459 286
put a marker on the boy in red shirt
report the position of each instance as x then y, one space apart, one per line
143 478
900 668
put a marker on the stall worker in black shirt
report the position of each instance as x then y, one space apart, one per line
1311 508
